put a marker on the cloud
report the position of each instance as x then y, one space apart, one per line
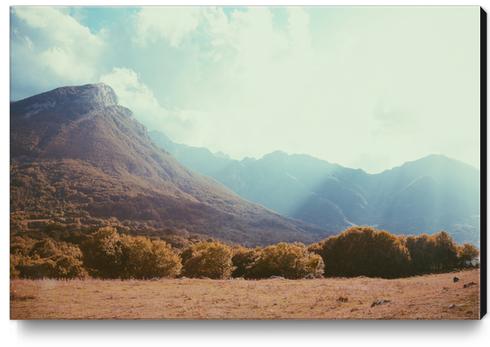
135 95
51 49
299 29
172 24
63 29
349 85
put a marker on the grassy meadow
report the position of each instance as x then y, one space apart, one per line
434 296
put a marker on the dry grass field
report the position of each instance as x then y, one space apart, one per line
422 297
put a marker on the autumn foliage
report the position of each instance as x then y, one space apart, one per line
358 251
288 260
366 251
45 258
207 259
110 255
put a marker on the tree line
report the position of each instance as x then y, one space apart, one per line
358 251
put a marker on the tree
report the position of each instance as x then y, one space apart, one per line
50 259
467 253
164 261
289 260
207 259
364 251
102 253
446 252
21 245
14 262
144 258
243 260
67 266
422 253
110 255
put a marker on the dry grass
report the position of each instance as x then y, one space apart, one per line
423 297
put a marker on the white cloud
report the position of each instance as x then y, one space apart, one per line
65 64
135 95
170 23
63 29
53 49
350 85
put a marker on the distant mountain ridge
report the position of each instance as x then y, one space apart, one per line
76 153
426 195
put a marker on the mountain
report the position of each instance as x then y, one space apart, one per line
77 155
427 195
198 159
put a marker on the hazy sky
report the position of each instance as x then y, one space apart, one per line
367 87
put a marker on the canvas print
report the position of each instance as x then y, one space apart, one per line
246 162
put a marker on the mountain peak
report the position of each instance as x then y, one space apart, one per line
438 161
276 155
78 99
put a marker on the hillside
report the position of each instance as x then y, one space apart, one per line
426 195
76 154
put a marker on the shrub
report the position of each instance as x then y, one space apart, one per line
289 260
110 255
446 252
365 251
102 253
69 267
467 254
44 249
144 258
14 261
36 268
207 259
21 245
243 260
48 259
422 253
432 253
164 261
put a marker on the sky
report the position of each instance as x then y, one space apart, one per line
364 87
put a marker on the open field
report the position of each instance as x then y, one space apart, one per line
422 297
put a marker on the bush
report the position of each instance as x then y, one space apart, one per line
37 268
358 251
207 259
446 252
422 253
364 251
110 255
69 267
47 259
14 261
289 260
102 253
243 260
467 255
21 245
432 253
144 258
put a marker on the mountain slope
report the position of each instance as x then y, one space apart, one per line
425 195
75 151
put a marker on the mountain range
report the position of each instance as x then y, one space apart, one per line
426 195
77 154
